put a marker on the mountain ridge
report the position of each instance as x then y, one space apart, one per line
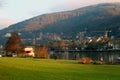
50 18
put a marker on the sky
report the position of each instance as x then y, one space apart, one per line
14 11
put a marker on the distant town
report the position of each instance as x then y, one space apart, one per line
78 42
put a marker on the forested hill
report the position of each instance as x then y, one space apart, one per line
92 18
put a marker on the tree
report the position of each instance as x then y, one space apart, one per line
14 44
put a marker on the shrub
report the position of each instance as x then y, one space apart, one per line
85 60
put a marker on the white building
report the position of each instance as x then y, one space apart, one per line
29 51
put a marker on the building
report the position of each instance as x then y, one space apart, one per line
29 51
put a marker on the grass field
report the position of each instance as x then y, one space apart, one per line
46 69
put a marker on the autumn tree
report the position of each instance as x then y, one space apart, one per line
14 44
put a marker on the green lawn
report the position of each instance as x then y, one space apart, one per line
47 69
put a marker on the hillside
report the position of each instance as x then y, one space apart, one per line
69 23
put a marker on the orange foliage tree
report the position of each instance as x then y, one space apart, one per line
41 52
14 44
